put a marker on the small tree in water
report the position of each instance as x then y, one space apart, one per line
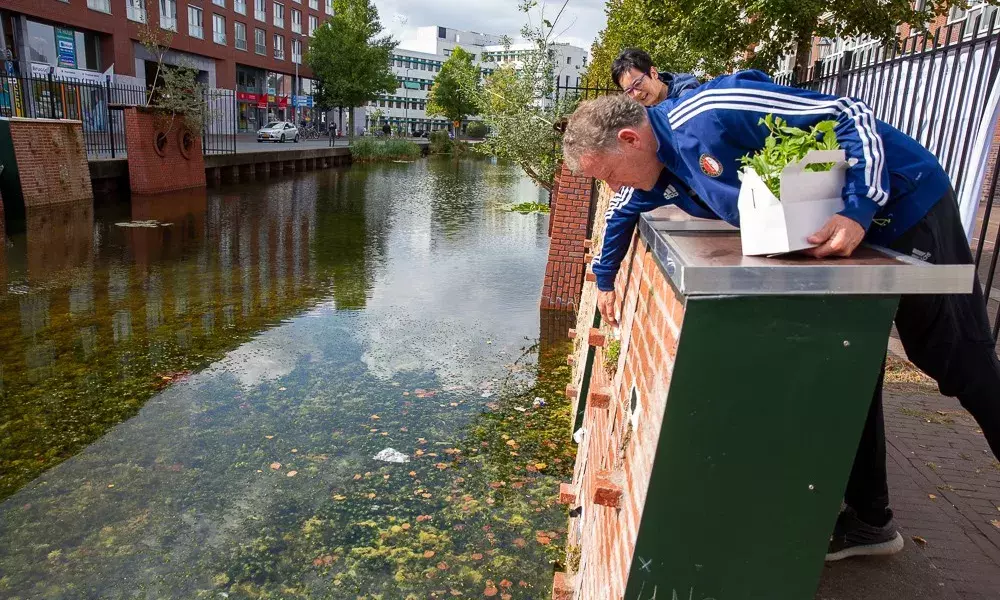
518 104
455 89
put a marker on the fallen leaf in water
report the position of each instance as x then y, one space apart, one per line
932 496
520 542
276 465
540 466
441 466
490 589
413 473
338 497
506 597
442 566
270 437
357 476
428 554
477 556
291 474
511 442
111 485
294 450
995 523
405 526
375 417
425 495
371 495
419 452
281 389
919 540
543 540
505 584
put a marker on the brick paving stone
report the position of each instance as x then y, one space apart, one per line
936 448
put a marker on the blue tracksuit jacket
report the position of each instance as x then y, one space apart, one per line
703 135
629 203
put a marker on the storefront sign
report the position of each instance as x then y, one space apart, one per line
309 101
93 77
262 102
282 101
271 91
40 70
270 98
65 48
248 97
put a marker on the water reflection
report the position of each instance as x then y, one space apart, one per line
295 329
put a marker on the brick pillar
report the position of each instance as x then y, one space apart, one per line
230 174
247 172
570 211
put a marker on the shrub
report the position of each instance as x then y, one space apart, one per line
368 149
440 142
476 129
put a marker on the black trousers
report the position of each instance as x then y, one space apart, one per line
949 338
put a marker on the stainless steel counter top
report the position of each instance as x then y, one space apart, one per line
705 258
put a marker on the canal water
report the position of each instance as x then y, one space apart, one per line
193 389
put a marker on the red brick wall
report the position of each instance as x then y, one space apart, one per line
51 161
150 173
614 456
568 230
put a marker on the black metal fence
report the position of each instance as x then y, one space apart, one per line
936 87
100 108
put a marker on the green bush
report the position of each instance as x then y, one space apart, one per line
477 130
440 142
369 149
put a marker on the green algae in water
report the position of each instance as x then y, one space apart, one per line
182 500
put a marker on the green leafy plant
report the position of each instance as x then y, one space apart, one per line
441 143
611 354
528 207
476 130
786 145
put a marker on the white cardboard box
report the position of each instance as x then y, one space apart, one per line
808 200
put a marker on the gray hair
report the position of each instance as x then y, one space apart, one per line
595 124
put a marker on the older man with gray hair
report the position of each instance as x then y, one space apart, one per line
896 195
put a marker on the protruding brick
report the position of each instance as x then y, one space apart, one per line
590 277
599 398
606 492
571 392
596 338
587 244
567 495
572 334
562 587
570 359
588 258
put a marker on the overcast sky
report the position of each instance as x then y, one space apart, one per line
582 19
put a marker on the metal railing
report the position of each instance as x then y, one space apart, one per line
99 106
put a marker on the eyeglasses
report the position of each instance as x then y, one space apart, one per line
635 85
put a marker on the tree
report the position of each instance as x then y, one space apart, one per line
174 91
455 89
351 57
717 36
517 103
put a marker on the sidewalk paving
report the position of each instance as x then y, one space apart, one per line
945 490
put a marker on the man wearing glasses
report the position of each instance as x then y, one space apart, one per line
634 73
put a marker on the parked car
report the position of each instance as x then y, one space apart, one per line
278 131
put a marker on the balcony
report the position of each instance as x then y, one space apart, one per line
103 6
279 53
279 21
136 11
169 23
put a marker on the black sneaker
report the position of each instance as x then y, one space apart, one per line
853 537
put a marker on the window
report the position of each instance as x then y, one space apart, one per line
314 4
569 60
279 15
567 81
100 5
221 3
258 41
240 6
329 7
136 10
442 33
260 10
297 52
196 25
240 33
296 21
313 24
219 29
168 14
279 47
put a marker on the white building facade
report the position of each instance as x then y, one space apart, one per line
417 65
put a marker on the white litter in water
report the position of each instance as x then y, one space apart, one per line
391 455
538 402
578 435
520 409
150 224
486 394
